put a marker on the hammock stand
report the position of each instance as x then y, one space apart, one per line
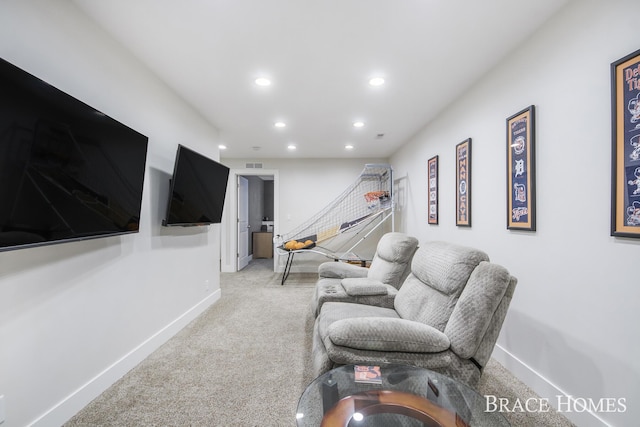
367 201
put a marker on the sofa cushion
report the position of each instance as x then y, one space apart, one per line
363 286
392 260
445 266
387 334
327 354
334 311
439 272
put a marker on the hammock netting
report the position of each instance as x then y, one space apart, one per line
363 204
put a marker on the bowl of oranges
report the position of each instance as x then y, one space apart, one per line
298 244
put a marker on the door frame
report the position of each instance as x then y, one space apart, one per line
229 238
243 258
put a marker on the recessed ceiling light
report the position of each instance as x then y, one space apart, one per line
358 124
376 81
222 147
263 81
291 147
280 124
348 147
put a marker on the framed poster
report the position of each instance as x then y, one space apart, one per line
463 183
433 190
625 123
521 183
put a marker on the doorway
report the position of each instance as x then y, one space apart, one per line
252 218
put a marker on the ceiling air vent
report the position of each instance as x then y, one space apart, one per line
253 165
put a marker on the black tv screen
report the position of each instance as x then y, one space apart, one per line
198 189
67 171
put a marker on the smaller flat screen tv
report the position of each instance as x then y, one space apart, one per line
67 171
198 190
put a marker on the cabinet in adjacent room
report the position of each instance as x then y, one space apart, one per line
262 244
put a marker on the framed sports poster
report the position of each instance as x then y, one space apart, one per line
433 190
625 123
521 190
463 183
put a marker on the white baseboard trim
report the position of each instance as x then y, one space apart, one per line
543 387
72 404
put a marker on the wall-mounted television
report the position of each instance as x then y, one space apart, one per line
198 190
67 171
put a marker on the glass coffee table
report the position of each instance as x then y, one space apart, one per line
393 395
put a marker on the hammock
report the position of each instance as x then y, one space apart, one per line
352 216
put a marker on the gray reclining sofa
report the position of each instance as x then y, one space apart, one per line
446 317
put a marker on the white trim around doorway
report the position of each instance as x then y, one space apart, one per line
229 235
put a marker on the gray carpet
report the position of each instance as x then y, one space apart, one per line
244 362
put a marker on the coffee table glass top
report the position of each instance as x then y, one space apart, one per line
399 396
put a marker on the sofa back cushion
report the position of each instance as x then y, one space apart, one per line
439 273
392 260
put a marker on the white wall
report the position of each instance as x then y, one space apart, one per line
573 324
303 188
74 317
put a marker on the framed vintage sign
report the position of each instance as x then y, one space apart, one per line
625 123
521 171
433 190
463 183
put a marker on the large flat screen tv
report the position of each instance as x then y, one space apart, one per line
67 171
198 189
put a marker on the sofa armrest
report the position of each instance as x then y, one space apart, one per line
387 334
362 286
341 270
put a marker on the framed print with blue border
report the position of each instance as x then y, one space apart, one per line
625 124
521 171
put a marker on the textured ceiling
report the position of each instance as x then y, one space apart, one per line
319 55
